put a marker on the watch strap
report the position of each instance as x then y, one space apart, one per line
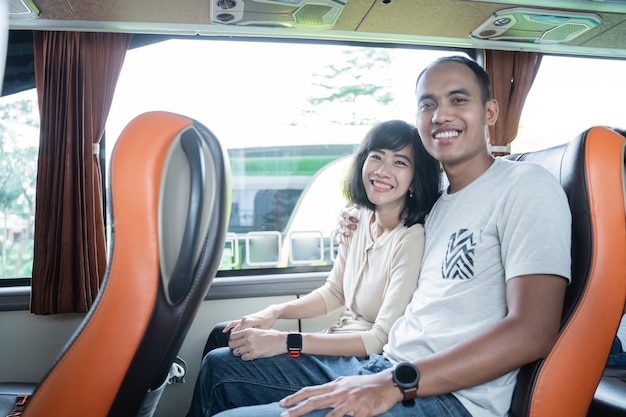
409 397
294 344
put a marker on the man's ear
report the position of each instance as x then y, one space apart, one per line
493 110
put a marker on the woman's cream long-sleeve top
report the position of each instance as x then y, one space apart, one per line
373 280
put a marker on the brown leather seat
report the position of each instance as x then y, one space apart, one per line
590 168
169 201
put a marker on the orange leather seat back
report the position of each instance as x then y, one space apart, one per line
590 169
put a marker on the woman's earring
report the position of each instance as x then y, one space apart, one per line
410 194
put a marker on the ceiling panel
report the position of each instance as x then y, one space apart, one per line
439 22
157 11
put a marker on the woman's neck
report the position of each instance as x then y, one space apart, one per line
384 221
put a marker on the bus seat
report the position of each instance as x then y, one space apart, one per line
169 198
590 169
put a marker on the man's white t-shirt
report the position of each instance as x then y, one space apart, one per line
513 220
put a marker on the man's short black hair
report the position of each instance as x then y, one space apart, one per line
484 82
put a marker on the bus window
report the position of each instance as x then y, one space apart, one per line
569 95
290 116
19 134
285 113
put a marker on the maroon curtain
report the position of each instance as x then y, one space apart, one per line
75 74
512 74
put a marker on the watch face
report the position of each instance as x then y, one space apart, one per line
406 375
294 341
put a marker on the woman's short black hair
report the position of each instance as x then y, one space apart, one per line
395 135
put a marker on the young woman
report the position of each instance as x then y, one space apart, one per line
395 182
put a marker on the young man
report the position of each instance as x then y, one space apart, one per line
490 292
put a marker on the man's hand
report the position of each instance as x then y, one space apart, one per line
348 223
357 396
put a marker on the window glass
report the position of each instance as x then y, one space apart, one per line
568 96
19 143
289 115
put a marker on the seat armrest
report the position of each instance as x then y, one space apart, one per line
610 396
9 392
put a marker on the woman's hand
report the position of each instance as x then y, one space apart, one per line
263 319
252 344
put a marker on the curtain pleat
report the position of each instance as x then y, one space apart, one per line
75 74
512 75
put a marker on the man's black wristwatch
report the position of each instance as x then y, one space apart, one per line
406 376
294 344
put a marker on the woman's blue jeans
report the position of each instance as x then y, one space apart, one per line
617 356
226 382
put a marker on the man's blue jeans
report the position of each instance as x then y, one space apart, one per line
440 406
226 382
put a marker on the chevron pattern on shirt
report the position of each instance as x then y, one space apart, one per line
459 260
